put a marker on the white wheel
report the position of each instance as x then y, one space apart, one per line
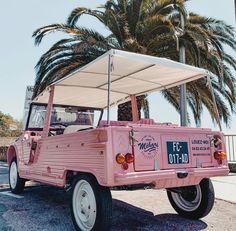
84 205
13 175
16 183
91 204
190 200
193 202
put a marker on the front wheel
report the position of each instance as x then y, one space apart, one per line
16 183
193 202
91 204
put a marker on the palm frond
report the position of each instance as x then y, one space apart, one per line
148 27
41 32
78 12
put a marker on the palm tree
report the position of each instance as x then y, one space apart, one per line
149 27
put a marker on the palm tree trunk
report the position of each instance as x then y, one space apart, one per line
125 109
124 112
235 9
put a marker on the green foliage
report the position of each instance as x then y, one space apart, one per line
149 27
6 122
3 153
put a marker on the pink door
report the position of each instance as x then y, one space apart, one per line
29 145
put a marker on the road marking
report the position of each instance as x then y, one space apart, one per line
8 193
4 165
2 186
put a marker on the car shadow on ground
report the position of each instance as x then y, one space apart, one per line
51 206
129 217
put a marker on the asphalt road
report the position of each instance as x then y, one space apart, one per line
47 208
3 174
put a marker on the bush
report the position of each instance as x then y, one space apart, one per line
6 123
3 153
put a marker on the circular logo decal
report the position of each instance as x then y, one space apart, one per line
148 146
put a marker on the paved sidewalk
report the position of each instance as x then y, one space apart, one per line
225 187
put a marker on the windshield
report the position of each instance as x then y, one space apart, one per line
37 116
64 116
74 116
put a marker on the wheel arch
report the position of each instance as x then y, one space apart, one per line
70 175
11 154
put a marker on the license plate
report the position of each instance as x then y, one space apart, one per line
177 152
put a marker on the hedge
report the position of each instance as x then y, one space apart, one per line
3 153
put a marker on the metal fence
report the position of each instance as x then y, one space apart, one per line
230 141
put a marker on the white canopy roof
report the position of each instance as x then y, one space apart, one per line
132 74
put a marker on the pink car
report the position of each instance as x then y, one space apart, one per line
66 144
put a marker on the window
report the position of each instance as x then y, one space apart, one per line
37 116
64 117
75 116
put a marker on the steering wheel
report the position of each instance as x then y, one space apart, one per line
57 127
83 129
58 124
50 133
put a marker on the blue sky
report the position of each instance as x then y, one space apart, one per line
18 20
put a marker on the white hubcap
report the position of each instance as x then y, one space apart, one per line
190 204
13 175
84 205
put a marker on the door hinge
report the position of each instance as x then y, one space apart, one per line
132 140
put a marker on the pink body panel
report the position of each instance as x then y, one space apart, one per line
54 156
94 151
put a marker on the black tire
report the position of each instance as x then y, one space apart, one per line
100 213
201 205
17 184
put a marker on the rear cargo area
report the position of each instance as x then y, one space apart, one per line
157 148
167 147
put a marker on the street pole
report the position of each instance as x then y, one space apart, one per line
183 98
235 9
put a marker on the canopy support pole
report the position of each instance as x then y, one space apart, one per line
183 97
214 103
49 112
134 106
109 89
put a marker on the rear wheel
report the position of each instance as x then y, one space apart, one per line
193 202
91 204
16 183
